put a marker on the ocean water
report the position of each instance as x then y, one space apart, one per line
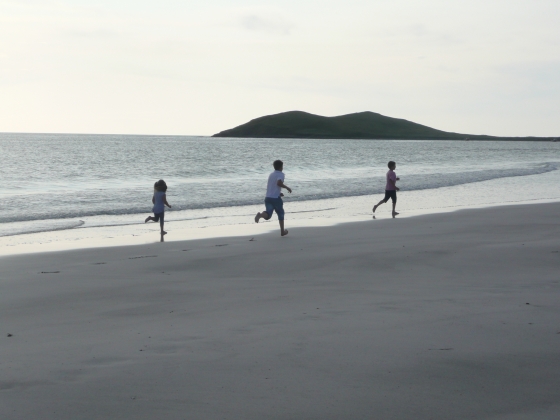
54 182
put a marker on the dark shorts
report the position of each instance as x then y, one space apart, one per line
392 194
274 204
159 217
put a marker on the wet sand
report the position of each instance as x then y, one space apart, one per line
447 316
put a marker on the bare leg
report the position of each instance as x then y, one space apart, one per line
283 232
264 215
149 218
377 205
394 212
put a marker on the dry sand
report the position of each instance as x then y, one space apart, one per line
449 316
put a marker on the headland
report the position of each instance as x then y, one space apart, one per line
361 125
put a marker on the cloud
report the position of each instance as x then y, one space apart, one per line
531 78
271 25
93 33
435 37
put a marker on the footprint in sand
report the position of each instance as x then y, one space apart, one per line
222 245
142 256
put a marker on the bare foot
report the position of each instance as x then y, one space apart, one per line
147 218
394 214
374 208
257 217
284 233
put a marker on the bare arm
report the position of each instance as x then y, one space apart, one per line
282 185
165 201
393 184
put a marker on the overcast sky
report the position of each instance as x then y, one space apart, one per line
199 67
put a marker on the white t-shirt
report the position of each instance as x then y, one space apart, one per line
272 189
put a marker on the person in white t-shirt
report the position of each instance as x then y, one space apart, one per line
273 200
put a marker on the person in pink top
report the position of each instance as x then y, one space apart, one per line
390 189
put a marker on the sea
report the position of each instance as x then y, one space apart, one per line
82 184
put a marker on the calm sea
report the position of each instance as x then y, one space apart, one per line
52 181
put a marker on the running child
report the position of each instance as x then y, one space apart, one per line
160 201
273 200
390 189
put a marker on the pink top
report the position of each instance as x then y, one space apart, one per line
391 175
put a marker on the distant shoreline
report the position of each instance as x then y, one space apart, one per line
249 136
532 139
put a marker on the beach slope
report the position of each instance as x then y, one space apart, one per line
448 316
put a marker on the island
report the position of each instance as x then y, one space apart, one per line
360 125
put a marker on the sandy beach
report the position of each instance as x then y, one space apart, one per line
445 316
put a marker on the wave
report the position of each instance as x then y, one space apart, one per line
38 226
416 182
64 214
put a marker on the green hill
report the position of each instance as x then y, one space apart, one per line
361 125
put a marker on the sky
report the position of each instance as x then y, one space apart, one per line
195 67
